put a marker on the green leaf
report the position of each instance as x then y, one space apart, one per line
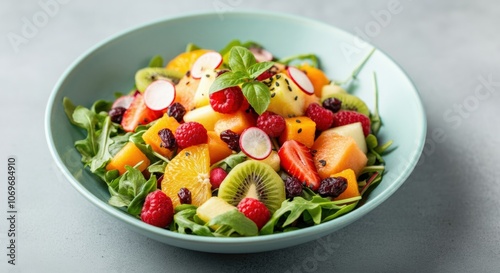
230 162
228 79
191 47
156 61
257 69
233 222
376 121
258 95
312 59
69 109
157 167
184 223
240 59
336 213
103 142
228 47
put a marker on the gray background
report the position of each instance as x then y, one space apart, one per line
445 218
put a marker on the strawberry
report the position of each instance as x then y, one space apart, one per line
138 114
297 160
344 117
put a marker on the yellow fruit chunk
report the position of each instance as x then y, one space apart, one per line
236 122
316 76
301 129
185 90
204 115
185 60
335 153
352 189
190 169
129 155
152 138
310 99
212 208
218 149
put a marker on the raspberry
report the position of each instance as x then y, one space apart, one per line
332 186
167 138
184 196
217 175
232 139
344 117
293 187
176 111
321 116
190 133
157 209
332 104
255 211
227 100
271 123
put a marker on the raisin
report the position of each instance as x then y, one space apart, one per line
176 111
184 196
293 187
116 114
332 104
167 139
332 186
232 139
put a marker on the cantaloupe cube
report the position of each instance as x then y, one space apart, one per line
129 155
152 138
217 148
204 115
236 122
185 91
301 129
334 153
352 189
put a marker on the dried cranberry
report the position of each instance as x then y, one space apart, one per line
176 111
232 139
332 186
293 187
332 104
116 114
184 196
167 139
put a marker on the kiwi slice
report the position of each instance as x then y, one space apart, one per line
253 179
351 102
145 76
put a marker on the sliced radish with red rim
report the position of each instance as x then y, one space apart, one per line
209 60
159 95
123 101
301 80
261 55
255 143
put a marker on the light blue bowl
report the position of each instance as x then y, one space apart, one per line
110 66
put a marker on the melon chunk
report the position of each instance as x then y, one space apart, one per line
301 129
204 115
354 130
335 153
129 155
352 189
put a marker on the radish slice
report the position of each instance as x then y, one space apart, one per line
123 101
301 80
159 95
209 60
261 55
255 143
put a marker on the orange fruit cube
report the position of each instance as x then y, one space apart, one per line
129 155
218 149
152 138
301 129
352 189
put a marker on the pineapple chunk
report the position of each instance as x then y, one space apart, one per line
287 99
212 208
201 96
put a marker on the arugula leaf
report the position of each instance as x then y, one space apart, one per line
240 58
103 141
191 47
295 59
375 120
233 223
130 190
184 223
157 167
156 61
258 95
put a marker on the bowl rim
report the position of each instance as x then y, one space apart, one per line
318 230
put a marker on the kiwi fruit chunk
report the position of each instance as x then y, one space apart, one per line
145 76
352 103
256 180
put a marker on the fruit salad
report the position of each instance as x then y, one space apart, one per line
235 142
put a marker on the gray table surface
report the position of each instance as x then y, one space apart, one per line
445 218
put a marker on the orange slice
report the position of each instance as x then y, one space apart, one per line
185 60
190 169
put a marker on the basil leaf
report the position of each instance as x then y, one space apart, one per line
156 61
233 222
257 94
240 59
228 79
257 69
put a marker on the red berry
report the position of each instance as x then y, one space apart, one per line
321 116
297 160
217 175
255 211
227 101
157 209
271 123
344 117
189 134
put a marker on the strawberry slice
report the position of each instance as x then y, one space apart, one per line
297 160
344 117
138 114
